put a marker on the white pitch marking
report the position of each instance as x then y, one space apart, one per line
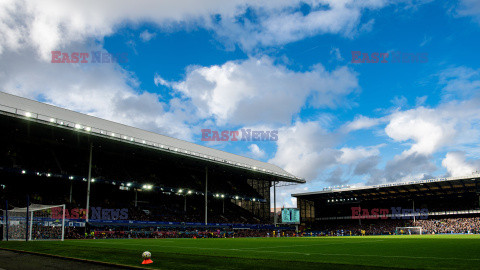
327 244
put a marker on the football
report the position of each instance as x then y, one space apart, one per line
146 255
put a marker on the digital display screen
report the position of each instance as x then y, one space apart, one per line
291 215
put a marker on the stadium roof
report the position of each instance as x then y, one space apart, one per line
440 186
53 115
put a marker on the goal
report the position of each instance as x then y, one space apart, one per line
36 222
408 230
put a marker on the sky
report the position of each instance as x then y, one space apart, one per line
315 71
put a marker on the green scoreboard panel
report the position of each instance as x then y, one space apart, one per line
291 216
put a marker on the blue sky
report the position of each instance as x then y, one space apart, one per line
268 65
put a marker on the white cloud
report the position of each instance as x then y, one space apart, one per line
470 8
256 152
457 165
425 41
427 128
351 155
305 149
54 24
102 90
147 36
336 52
361 122
160 81
420 101
399 101
257 90
284 198
460 82
281 24
450 126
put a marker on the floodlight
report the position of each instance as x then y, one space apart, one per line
113 134
236 197
129 184
180 190
71 177
88 129
189 192
24 172
93 180
28 114
223 196
253 199
78 126
52 120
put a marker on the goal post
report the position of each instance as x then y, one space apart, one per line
35 222
408 230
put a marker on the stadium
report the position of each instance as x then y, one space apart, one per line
183 201
446 205
56 151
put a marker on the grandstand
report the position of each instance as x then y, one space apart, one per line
50 153
445 205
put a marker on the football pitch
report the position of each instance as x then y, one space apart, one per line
369 252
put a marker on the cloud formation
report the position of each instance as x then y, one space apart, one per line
54 24
457 164
257 90
102 90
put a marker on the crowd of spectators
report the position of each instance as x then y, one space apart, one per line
388 227
449 225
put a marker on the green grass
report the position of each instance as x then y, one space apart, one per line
370 252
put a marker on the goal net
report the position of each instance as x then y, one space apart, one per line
37 222
408 230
